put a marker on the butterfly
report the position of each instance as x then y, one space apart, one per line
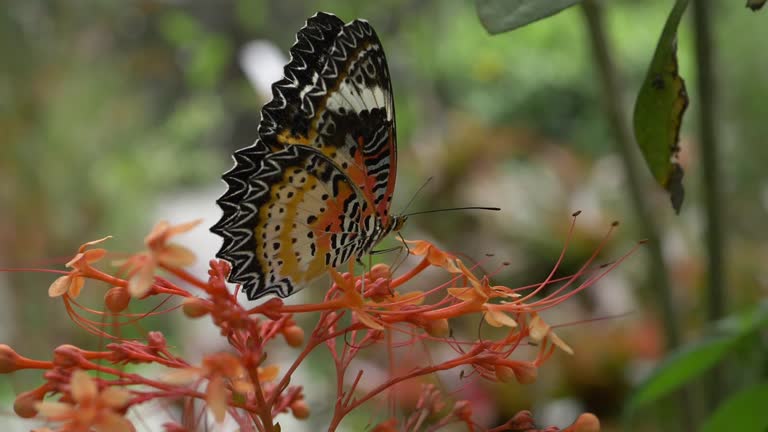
315 188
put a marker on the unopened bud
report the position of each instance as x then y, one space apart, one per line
586 422
300 409
117 299
438 328
387 426
9 359
380 271
155 339
67 356
194 307
294 336
25 404
526 373
505 374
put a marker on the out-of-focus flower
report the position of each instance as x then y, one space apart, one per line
160 252
222 370
354 301
73 282
92 409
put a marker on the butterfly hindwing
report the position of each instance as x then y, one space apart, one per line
302 216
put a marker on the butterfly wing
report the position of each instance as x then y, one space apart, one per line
337 97
299 215
331 123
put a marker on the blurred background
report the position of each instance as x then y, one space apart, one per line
114 115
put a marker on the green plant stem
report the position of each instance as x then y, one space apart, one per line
625 144
711 182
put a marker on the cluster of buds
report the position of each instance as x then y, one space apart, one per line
373 312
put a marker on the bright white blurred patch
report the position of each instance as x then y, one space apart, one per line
262 63
559 412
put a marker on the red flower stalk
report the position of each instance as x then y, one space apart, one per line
374 312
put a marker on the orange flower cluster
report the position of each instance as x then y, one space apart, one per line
91 390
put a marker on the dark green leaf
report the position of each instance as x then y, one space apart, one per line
659 110
755 5
694 359
500 16
744 412
677 369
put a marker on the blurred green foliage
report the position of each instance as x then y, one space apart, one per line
107 108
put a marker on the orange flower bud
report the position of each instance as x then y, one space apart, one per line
526 373
380 271
294 336
300 409
9 359
438 328
194 307
67 356
156 339
117 299
586 422
387 426
24 405
505 374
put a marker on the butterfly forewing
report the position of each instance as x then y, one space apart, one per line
316 187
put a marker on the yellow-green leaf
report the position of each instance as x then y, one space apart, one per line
744 412
659 110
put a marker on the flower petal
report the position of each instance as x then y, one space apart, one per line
94 255
176 256
76 286
216 397
60 286
269 373
537 328
183 227
498 318
115 397
54 410
111 421
85 246
183 376
83 387
368 320
158 233
140 283
465 294
560 343
411 298
435 256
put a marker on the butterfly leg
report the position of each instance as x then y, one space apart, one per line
359 260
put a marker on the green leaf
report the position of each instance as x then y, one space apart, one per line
500 16
677 369
744 412
694 359
659 110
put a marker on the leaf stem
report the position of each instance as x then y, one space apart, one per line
625 144
714 234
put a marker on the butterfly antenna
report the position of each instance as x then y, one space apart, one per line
452 209
426 182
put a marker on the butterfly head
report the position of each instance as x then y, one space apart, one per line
397 223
